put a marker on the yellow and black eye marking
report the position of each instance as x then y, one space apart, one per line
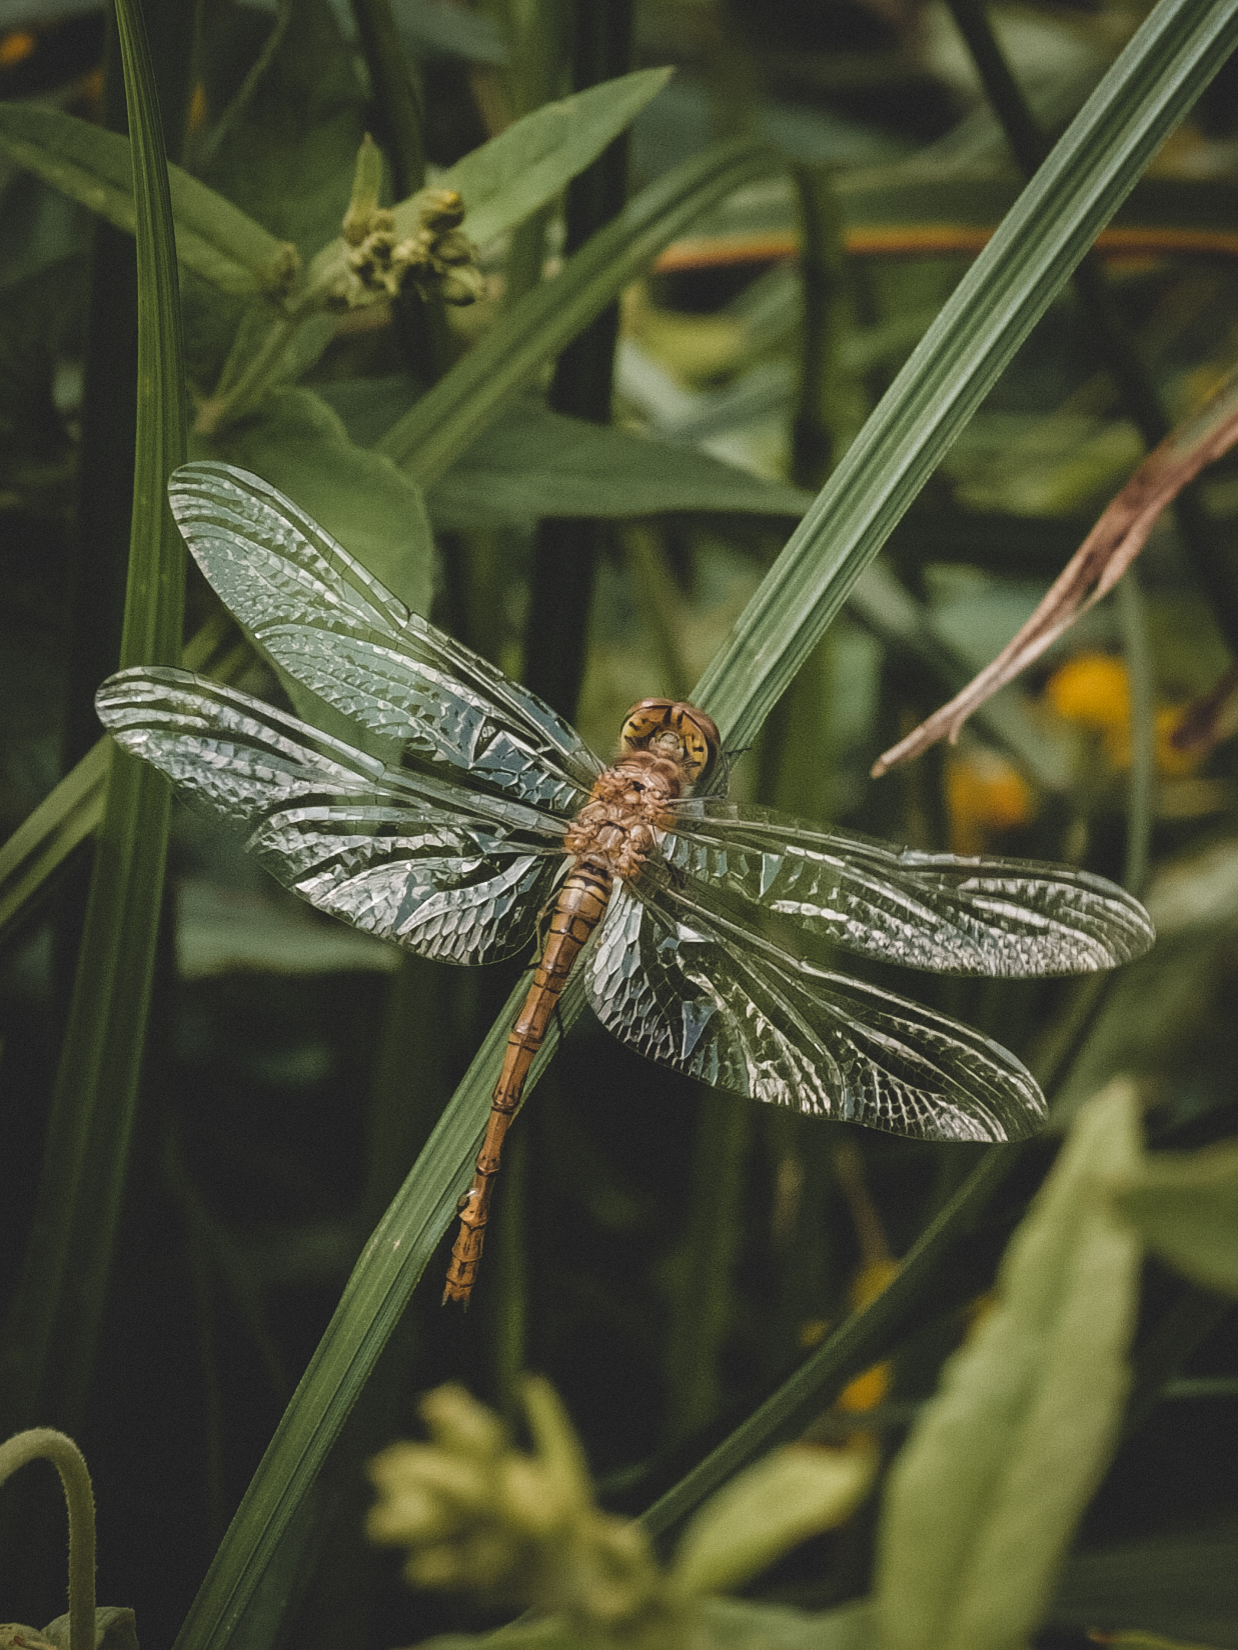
696 733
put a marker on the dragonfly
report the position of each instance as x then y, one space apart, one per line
469 819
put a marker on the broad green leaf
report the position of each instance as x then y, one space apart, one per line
985 1495
1166 64
779 1501
717 1624
53 1324
533 462
1185 1206
115 1629
214 238
508 178
738 1624
435 432
299 445
527 165
266 350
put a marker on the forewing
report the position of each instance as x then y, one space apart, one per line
692 993
336 629
1002 917
439 871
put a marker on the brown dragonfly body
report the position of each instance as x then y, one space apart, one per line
665 747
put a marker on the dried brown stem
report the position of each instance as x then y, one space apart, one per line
1096 566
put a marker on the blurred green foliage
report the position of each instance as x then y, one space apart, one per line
294 1072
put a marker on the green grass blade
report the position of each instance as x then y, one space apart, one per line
73 811
1091 170
53 1325
369 1309
435 432
1027 262
42 842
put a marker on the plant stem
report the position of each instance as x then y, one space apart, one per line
1132 616
821 277
565 558
395 95
220 409
208 148
420 324
702 1306
45 1444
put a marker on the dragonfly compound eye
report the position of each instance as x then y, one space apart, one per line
654 723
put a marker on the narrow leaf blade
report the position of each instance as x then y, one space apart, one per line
507 179
55 1315
213 238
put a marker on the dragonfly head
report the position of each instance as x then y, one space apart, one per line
667 727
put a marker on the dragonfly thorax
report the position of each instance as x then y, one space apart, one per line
617 829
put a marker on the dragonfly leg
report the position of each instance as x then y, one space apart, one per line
545 917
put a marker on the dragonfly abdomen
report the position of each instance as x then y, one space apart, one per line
612 836
579 908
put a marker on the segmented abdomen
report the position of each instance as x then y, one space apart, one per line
579 908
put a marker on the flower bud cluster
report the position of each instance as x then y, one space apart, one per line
437 257
478 1515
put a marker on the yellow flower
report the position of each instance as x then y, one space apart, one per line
870 1388
984 796
1093 691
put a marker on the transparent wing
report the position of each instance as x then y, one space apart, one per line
439 870
1005 917
691 991
336 629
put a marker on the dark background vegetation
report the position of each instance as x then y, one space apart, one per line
664 1254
